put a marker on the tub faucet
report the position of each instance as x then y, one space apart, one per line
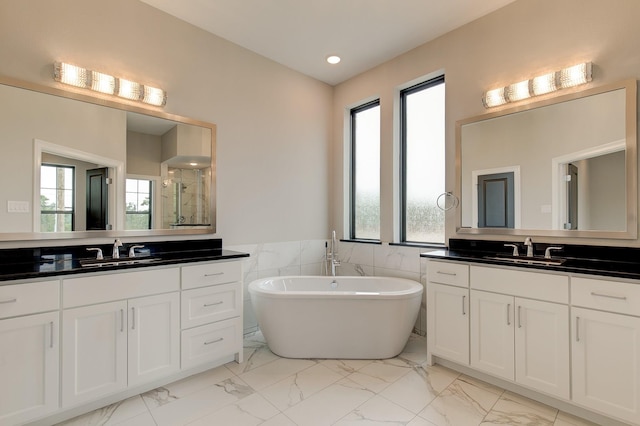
116 249
333 254
529 244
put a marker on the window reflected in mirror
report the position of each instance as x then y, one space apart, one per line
57 195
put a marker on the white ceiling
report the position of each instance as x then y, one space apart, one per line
300 34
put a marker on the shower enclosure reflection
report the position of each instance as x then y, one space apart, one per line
185 197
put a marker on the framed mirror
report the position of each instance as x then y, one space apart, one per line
76 166
565 166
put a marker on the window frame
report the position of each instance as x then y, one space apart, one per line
71 212
352 169
402 222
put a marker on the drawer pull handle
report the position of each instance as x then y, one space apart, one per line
453 274
133 318
213 304
121 320
519 316
509 314
51 335
593 293
217 274
8 301
463 309
214 341
577 329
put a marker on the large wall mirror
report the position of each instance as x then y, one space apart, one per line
565 166
75 166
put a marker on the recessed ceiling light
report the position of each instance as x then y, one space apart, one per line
333 59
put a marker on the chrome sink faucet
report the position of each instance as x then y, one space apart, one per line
132 250
116 248
529 244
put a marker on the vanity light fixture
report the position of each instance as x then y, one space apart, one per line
540 85
105 83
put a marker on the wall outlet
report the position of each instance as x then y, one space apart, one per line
17 206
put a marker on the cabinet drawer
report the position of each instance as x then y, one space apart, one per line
208 304
534 285
210 342
90 289
448 273
204 275
29 298
606 295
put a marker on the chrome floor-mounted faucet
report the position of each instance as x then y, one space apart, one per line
333 254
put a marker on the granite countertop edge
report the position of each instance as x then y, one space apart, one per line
594 267
73 267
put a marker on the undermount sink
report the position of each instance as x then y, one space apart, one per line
98 263
528 260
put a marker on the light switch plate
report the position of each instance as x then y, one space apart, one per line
17 206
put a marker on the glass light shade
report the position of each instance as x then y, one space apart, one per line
103 83
129 89
493 98
154 96
71 74
575 75
544 84
518 91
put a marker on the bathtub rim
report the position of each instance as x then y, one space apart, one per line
415 290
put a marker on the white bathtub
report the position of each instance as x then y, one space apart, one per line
336 317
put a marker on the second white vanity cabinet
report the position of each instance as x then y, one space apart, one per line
132 336
570 336
448 310
520 327
605 322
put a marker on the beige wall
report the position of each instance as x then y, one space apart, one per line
273 124
280 134
519 41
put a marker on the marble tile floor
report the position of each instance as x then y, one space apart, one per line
273 391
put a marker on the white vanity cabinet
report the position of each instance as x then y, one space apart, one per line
29 350
211 312
519 327
605 327
448 311
128 333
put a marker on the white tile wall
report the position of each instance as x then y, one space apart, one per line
307 258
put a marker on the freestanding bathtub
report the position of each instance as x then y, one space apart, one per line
336 317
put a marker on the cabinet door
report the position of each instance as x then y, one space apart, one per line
94 352
448 322
492 341
29 367
606 363
154 337
542 346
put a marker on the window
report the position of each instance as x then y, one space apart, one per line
138 213
57 195
422 161
365 171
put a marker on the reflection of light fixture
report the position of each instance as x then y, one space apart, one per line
540 85
193 164
105 83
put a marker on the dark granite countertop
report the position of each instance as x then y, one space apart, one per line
25 263
619 262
